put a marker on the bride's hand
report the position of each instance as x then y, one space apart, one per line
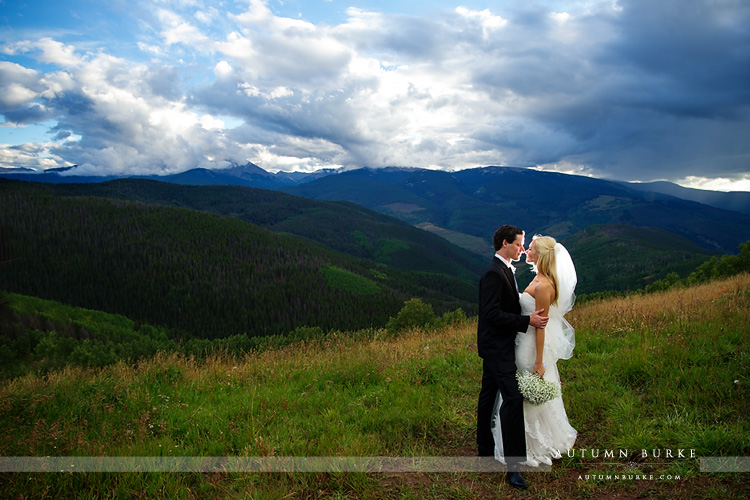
539 368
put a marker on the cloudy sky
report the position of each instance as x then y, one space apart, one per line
623 89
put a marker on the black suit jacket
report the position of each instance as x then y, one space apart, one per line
499 316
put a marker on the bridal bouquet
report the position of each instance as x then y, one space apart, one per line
535 389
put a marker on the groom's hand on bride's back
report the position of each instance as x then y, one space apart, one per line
537 320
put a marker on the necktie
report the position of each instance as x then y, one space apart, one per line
512 277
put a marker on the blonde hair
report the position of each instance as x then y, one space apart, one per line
546 263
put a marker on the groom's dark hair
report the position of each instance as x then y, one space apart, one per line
505 233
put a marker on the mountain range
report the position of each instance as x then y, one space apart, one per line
737 201
470 204
249 175
254 176
622 235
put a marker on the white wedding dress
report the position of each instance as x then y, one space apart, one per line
548 432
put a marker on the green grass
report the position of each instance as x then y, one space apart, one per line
649 372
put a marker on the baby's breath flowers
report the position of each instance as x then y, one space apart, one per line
535 389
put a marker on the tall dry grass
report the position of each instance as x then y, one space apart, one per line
663 310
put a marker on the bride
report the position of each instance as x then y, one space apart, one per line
548 433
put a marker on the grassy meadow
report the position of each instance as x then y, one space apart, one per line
662 371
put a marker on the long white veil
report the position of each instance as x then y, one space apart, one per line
566 282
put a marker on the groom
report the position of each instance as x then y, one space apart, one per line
499 320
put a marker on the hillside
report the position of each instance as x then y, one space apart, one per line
476 201
666 371
340 226
201 273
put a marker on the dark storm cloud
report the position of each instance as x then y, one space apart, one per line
684 97
657 90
